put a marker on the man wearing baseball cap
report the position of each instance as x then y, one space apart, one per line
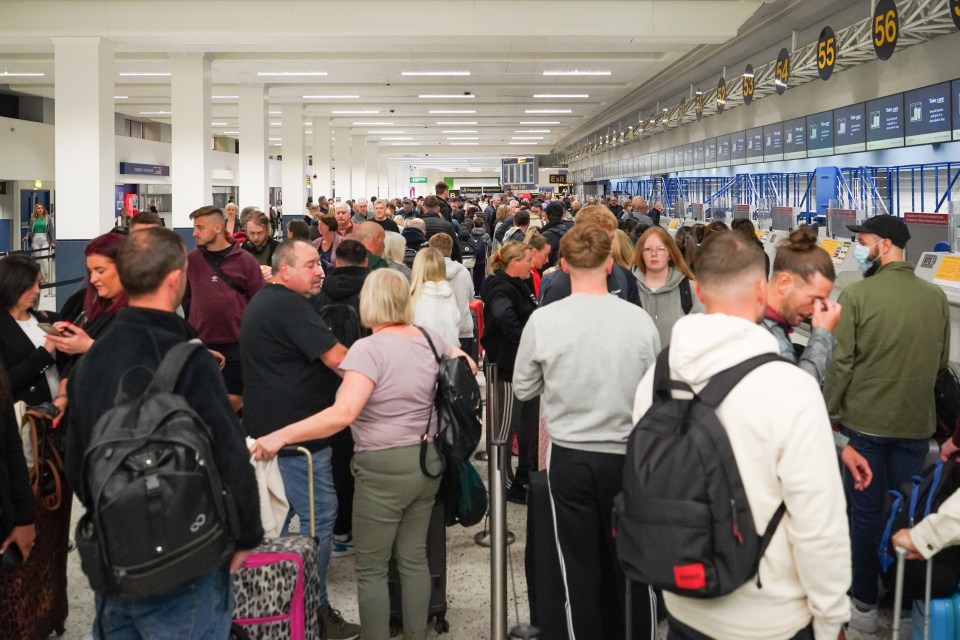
892 341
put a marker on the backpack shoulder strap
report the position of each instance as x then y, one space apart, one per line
663 384
168 373
426 335
686 296
723 383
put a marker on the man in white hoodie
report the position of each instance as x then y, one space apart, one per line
461 281
780 434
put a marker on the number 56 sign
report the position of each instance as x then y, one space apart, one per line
886 28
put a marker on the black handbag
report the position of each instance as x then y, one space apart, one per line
458 404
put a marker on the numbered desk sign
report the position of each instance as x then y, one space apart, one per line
749 85
721 95
698 102
826 53
782 74
955 12
886 28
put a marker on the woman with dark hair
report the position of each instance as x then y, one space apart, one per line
328 241
686 241
25 346
745 227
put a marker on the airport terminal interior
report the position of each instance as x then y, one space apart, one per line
782 112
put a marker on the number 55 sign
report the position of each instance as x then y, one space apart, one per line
826 53
886 28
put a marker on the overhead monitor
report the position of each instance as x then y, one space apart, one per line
661 161
723 151
710 153
671 164
698 150
795 139
738 142
754 144
519 174
688 156
955 96
928 114
885 122
849 134
820 134
773 142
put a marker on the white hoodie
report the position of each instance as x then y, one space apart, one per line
437 309
780 433
462 283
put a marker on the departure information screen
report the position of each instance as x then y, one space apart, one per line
795 139
820 134
849 134
885 122
928 114
773 142
955 94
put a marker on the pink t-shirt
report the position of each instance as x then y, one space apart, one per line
404 374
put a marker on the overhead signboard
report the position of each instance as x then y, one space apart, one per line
519 174
698 151
723 151
955 12
710 153
671 160
418 180
132 168
885 28
955 95
885 128
928 114
827 49
754 144
721 95
849 133
688 157
749 85
773 142
781 74
795 139
820 134
558 178
738 146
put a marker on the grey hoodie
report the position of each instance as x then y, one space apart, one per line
664 304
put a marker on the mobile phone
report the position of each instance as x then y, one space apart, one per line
50 329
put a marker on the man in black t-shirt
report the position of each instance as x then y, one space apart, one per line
290 371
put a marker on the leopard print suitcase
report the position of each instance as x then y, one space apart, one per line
277 591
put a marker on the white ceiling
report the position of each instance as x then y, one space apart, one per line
364 46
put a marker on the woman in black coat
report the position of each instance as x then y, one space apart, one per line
508 302
31 359
17 507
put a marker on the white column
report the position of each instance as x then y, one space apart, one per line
357 169
254 170
294 172
322 153
372 170
190 152
383 179
84 145
342 164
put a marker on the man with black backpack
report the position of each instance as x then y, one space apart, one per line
732 500
291 365
171 497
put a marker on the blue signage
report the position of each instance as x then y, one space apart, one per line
130 168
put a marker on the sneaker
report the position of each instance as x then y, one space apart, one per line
335 627
517 493
863 619
341 546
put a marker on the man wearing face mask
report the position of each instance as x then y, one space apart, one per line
892 340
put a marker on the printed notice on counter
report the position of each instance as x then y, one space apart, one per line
830 246
949 272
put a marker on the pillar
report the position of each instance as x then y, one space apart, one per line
294 171
372 169
254 170
322 154
84 167
342 163
383 179
357 169
190 151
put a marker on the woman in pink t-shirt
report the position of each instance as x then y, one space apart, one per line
387 398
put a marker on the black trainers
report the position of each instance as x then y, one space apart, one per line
517 493
334 627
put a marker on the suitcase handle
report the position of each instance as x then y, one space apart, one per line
309 455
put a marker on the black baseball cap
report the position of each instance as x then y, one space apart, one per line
890 227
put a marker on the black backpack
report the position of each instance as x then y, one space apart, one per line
905 507
683 523
479 247
158 515
344 322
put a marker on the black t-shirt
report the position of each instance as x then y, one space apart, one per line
218 256
282 338
388 225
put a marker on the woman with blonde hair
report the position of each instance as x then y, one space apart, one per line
434 303
664 281
623 249
387 400
501 225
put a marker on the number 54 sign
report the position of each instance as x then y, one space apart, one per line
886 28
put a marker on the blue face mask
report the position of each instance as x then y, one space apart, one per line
862 255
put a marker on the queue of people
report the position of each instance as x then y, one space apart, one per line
575 311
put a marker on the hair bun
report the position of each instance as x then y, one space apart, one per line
802 238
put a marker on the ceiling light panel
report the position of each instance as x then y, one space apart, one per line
533 111
534 123
373 124
21 74
527 138
331 97
522 143
462 138
394 139
434 73
576 72
291 74
561 96
533 131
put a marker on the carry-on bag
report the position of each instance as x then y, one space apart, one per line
437 561
277 590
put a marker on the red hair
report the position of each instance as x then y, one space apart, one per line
94 306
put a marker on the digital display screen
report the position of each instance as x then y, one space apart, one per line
955 93
671 160
723 151
688 156
773 142
849 130
885 122
710 153
820 134
661 161
754 141
795 139
738 146
698 148
928 114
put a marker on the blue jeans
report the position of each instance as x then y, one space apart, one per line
293 470
893 461
200 610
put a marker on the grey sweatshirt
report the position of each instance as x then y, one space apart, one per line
664 304
586 354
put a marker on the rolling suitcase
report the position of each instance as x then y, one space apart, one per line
921 623
476 310
437 560
278 591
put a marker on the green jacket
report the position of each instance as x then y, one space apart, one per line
376 262
892 339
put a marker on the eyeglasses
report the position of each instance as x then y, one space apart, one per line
651 250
